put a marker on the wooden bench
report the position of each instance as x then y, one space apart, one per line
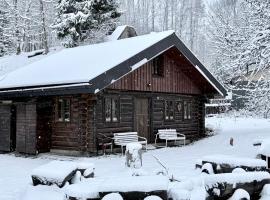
122 139
170 135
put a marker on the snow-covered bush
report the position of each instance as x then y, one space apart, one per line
240 194
208 168
266 191
152 197
112 196
238 170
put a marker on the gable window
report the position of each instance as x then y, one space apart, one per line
169 110
111 109
187 110
158 66
63 110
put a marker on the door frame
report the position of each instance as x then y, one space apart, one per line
148 115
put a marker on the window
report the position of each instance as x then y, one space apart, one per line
187 110
158 66
63 114
169 110
111 109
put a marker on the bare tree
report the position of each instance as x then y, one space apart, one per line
44 31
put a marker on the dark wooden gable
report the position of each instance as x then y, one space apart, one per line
178 77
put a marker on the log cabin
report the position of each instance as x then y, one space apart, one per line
61 103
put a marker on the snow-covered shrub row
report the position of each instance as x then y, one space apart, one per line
216 164
223 185
234 161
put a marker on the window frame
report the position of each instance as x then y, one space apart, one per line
171 109
63 112
158 66
187 110
111 98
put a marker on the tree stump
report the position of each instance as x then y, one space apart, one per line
134 155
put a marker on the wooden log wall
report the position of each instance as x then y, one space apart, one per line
193 128
125 123
78 134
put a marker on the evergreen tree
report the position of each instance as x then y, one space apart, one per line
78 20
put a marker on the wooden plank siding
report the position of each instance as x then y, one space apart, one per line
173 81
5 127
26 124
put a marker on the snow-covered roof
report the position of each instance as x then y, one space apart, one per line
89 69
80 64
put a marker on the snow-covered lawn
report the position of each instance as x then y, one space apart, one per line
15 171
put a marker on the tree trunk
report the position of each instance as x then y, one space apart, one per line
18 44
45 38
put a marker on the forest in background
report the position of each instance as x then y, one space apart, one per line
22 23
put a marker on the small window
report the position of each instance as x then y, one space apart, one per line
169 110
111 109
158 66
63 110
187 110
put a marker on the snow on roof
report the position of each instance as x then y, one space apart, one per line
117 33
80 64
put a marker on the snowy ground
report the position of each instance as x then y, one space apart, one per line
15 171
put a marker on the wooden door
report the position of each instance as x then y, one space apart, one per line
26 128
5 128
44 125
142 117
